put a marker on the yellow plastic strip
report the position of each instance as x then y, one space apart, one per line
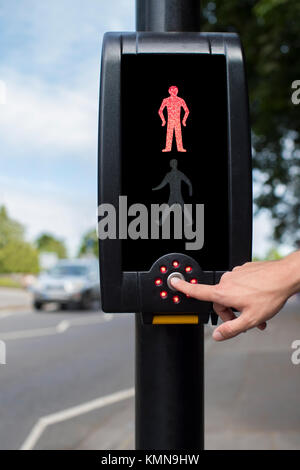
175 320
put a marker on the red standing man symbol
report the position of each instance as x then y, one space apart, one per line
173 104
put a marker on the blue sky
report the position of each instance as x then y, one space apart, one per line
50 62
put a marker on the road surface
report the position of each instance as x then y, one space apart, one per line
68 383
58 360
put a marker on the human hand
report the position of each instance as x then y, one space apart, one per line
163 123
258 290
184 123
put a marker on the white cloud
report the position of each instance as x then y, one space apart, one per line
45 118
2 92
51 68
54 31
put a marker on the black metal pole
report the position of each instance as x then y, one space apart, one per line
168 15
169 358
169 387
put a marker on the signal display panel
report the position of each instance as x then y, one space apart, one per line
174 153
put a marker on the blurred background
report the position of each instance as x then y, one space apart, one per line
62 354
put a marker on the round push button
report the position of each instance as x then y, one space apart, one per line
171 276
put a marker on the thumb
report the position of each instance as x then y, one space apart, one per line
232 328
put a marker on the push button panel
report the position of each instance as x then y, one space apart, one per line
157 293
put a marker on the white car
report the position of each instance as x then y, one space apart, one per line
70 283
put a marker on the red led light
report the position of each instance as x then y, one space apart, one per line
158 282
188 269
193 281
164 294
175 264
176 299
173 104
163 269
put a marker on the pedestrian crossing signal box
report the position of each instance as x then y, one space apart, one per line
175 187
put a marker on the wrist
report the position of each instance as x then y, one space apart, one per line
291 265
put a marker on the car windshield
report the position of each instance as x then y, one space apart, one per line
69 270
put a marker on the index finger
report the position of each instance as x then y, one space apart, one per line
198 291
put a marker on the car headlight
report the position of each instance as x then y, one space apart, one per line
36 287
73 286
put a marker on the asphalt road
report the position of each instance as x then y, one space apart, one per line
68 383
58 360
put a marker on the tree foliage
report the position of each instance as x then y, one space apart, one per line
89 244
9 229
16 255
271 255
270 34
48 243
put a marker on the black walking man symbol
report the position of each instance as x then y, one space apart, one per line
174 179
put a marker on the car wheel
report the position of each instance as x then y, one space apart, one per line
85 303
38 305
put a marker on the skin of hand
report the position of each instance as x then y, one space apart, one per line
184 123
163 123
257 290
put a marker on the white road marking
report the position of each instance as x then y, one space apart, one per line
63 326
23 334
37 431
5 315
13 313
54 330
89 321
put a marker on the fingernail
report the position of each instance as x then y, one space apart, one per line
175 281
217 336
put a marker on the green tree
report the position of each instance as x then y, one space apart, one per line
16 255
89 244
48 243
271 255
270 34
10 230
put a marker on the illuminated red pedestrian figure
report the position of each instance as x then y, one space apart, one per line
173 104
